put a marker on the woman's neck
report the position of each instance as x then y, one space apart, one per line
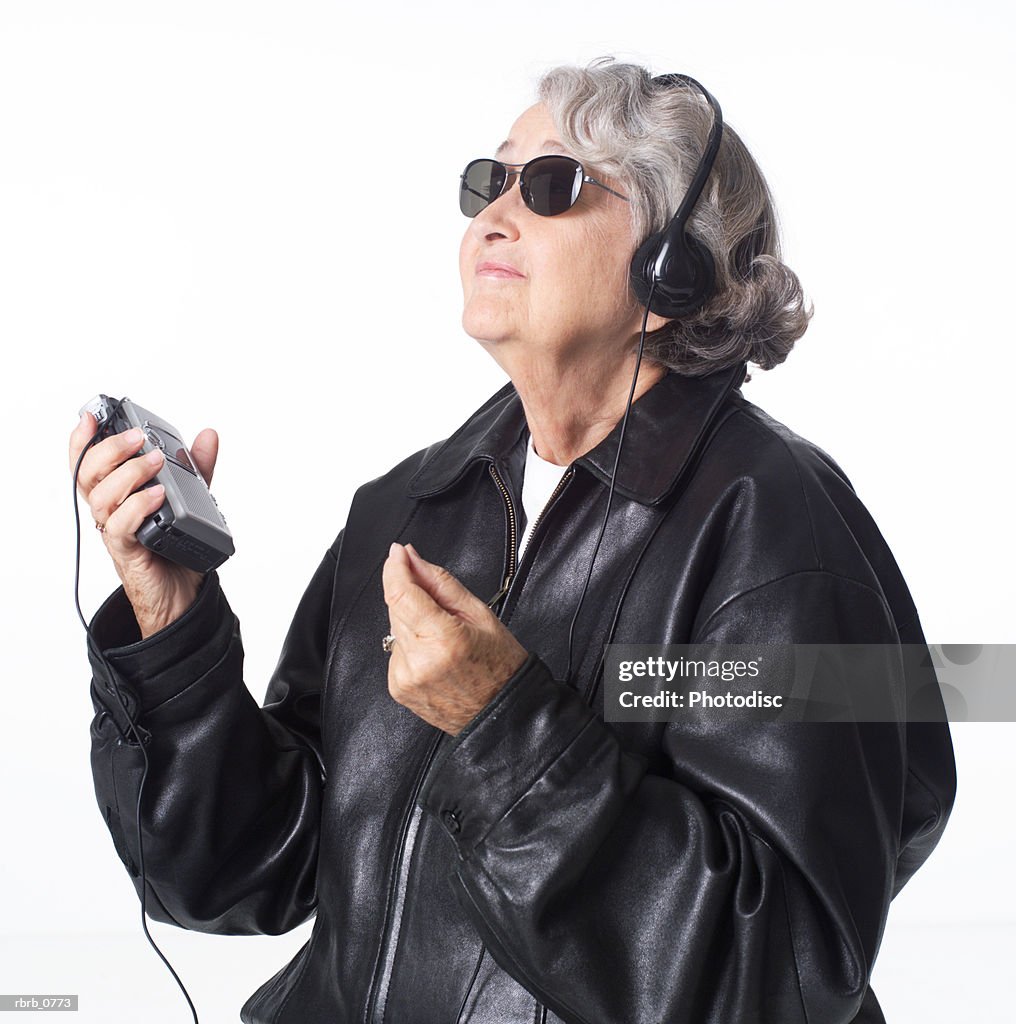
570 410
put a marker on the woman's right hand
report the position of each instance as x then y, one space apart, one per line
111 482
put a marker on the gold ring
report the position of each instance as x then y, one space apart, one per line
387 643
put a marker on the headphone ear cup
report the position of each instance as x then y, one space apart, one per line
688 279
641 273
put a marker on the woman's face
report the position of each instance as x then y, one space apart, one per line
548 286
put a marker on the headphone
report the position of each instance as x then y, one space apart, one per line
672 272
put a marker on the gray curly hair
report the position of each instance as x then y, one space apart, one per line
651 138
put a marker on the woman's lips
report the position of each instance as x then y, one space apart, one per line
488 268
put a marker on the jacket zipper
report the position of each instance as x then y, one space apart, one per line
540 1010
565 477
512 526
410 822
512 537
396 893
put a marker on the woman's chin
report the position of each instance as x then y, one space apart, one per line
485 326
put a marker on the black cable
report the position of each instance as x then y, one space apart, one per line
606 511
133 726
115 690
613 478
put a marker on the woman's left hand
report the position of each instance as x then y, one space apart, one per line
452 654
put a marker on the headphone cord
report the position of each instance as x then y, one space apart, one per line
606 512
613 477
113 676
132 726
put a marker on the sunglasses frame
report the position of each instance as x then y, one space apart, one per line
520 173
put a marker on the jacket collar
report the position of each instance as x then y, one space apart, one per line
666 428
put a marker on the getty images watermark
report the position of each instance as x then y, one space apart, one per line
810 682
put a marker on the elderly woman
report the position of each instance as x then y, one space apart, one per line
431 771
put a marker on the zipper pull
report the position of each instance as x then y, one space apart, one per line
501 593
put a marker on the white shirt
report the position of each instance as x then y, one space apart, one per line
538 483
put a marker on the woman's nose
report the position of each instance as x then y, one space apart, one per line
501 217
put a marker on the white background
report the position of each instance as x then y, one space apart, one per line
243 214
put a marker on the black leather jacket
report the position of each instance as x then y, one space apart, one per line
692 873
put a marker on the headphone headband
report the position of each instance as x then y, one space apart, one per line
712 143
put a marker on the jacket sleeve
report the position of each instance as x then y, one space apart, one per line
746 877
230 807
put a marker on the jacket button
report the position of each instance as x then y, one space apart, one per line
451 821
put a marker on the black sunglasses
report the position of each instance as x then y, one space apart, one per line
549 184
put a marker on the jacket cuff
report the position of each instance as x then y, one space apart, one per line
158 667
501 753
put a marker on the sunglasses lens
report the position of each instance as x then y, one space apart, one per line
481 184
551 184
